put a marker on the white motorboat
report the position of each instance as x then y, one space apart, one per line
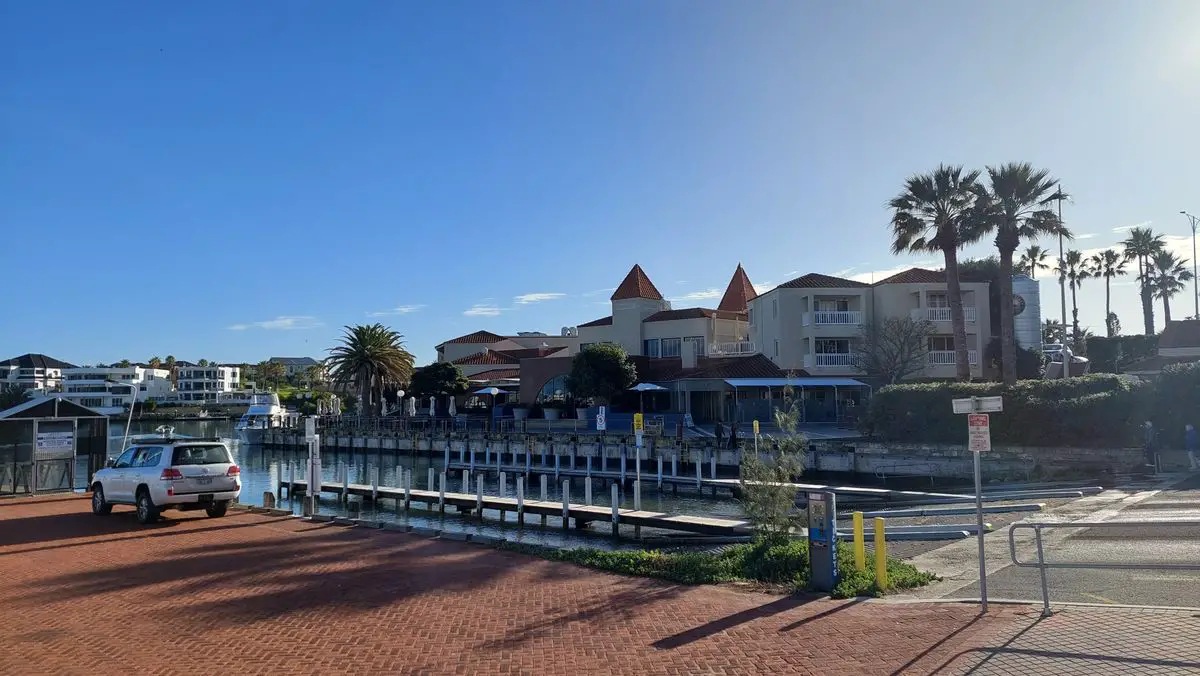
264 413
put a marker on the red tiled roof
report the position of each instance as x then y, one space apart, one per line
486 357
693 313
739 292
1182 333
603 321
531 352
636 285
916 276
479 338
815 280
495 374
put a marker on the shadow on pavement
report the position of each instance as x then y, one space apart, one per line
81 524
729 621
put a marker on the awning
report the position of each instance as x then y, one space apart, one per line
795 382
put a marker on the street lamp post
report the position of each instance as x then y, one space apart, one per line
133 388
1062 278
1195 290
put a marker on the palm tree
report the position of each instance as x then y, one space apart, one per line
1053 331
124 364
12 395
1075 270
1168 273
1015 207
1141 245
370 357
1034 259
933 214
1108 264
155 362
170 364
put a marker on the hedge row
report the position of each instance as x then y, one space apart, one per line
1095 411
1111 355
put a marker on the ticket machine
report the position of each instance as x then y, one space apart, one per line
822 541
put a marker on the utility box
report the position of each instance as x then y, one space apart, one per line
822 541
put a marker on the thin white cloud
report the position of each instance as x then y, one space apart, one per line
526 299
482 310
599 292
843 272
399 310
282 323
707 294
763 287
1123 228
1086 235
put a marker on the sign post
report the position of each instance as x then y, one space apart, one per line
313 476
979 440
756 440
601 419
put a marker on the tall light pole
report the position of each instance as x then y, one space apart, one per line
1062 277
133 388
1195 290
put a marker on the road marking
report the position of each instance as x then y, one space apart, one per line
1098 598
1166 578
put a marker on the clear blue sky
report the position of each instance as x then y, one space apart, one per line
239 180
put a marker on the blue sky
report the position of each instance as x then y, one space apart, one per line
239 180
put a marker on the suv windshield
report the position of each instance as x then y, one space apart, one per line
211 454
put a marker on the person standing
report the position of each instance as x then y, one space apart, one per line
1190 440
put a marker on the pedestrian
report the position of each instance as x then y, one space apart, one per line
720 432
1148 443
1190 439
733 435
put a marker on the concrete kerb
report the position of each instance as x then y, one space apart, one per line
1036 605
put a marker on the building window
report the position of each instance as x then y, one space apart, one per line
698 345
941 343
650 347
555 389
837 305
938 300
672 347
92 402
832 346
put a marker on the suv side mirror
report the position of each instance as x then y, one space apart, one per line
110 463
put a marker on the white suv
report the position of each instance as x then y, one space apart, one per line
168 473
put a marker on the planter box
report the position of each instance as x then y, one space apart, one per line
552 413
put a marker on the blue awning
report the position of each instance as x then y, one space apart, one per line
795 382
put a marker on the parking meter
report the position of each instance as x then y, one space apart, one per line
822 540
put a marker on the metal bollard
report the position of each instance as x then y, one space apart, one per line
881 575
521 500
860 545
566 495
616 507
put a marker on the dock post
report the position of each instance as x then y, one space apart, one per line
345 482
543 456
503 491
543 478
471 458
699 464
521 500
712 466
616 510
557 464
487 456
660 463
432 486
528 461
566 493
572 465
675 464
291 479
499 460
589 467
479 496
442 492
407 488
622 464
446 455
466 482
587 492
374 484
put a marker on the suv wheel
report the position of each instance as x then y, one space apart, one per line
147 513
99 506
217 509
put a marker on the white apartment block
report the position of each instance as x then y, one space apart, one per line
111 389
33 372
815 322
206 384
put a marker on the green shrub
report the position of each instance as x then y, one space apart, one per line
1111 355
1089 411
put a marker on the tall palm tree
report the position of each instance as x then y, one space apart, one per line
1014 206
370 357
1075 270
1108 264
1141 245
1034 259
934 214
170 364
155 362
1168 274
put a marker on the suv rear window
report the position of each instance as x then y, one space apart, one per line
211 454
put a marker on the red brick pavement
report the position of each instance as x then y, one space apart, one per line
254 594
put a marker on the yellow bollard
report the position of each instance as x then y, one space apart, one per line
881 578
860 544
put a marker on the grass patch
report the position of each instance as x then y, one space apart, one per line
784 564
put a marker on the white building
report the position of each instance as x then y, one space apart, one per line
33 372
110 389
209 384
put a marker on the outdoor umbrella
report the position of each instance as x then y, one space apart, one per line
453 408
412 407
642 389
432 406
493 391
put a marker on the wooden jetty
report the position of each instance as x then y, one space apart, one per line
520 506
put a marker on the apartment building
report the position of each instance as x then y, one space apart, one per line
487 358
208 384
815 322
33 372
111 389
296 366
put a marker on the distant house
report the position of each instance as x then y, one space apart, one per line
33 372
295 366
1179 343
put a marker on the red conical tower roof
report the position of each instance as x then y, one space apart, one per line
636 285
739 292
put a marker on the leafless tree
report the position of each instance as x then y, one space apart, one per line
894 348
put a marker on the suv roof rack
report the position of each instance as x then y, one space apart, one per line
142 441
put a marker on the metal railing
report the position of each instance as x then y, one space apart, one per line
942 314
842 317
946 357
743 347
1041 564
830 360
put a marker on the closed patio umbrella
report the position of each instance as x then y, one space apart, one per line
642 389
453 407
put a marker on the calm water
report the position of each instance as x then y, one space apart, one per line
262 469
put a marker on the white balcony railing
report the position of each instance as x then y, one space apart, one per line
946 357
829 360
735 349
942 314
836 317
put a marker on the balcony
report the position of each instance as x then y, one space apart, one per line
942 314
740 348
833 317
843 360
946 357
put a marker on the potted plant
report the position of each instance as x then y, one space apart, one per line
553 409
520 412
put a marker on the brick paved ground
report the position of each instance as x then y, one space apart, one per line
257 594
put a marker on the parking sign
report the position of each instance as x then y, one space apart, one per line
979 433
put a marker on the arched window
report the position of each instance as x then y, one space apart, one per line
555 389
